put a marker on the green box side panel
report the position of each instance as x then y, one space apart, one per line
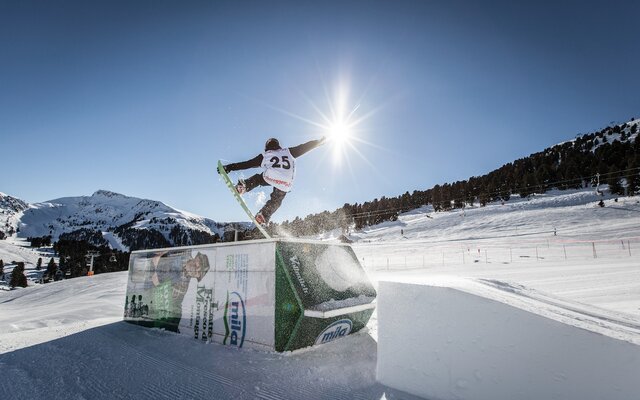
324 272
288 312
311 329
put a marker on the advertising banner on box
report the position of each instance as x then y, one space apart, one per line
221 294
266 294
332 292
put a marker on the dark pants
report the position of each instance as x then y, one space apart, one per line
274 201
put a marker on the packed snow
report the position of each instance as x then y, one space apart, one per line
14 250
67 340
557 252
499 342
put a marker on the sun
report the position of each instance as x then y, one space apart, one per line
339 136
339 133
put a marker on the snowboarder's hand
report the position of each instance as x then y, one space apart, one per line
225 169
322 140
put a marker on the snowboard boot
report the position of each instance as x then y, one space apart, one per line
260 219
241 188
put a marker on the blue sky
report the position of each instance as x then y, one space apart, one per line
143 97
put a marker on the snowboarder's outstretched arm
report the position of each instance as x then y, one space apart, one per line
256 162
305 147
253 163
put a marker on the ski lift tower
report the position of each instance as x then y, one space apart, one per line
90 256
598 191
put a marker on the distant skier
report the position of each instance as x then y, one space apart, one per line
279 171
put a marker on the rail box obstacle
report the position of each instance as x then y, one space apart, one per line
274 294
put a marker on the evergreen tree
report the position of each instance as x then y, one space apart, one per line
633 177
17 276
483 198
615 187
39 264
633 185
505 194
528 185
436 198
51 268
1 269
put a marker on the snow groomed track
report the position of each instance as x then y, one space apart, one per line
72 343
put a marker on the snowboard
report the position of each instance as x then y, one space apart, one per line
232 187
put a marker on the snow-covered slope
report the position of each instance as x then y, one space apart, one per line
70 332
560 242
488 340
67 340
14 249
571 214
59 309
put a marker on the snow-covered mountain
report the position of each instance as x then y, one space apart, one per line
623 133
105 217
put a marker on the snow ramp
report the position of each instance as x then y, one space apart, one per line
452 338
264 294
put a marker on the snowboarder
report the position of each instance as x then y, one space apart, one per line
279 171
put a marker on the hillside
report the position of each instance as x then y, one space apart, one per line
560 242
609 156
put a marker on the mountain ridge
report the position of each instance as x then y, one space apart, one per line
136 222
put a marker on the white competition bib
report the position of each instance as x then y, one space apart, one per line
280 168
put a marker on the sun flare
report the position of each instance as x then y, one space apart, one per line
341 123
338 137
339 133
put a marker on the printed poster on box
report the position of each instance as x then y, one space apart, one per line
221 294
